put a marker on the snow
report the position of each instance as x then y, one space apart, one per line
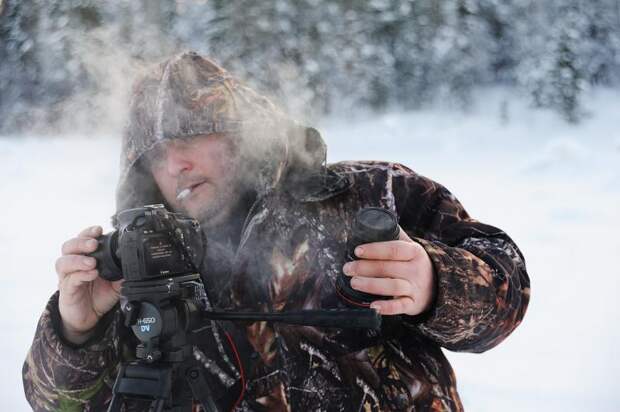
553 187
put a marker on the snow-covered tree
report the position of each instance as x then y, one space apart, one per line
317 56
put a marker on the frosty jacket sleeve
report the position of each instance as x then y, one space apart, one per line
58 376
482 287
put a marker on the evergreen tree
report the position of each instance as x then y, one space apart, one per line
601 41
556 75
317 56
18 66
462 48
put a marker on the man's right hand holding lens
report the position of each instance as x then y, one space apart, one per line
84 296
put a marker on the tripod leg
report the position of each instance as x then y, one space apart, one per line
200 389
157 405
117 399
145 382
115 404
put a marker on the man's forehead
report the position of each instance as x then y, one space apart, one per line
159 145
196 137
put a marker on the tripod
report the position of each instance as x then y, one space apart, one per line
161 314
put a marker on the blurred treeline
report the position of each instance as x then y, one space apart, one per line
314 56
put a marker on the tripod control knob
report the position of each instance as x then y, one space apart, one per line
148 354
131 311
148 323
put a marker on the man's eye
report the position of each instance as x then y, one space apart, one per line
189 141
155 157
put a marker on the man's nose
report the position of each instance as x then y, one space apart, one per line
178 161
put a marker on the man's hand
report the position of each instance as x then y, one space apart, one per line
399 268
84 296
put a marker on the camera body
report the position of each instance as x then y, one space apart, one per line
150 243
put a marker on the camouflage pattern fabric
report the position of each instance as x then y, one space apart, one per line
290 252
482 294
61 377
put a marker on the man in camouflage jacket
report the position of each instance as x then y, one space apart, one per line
282 247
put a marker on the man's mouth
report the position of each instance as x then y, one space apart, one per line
188 190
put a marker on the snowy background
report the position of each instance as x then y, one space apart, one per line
314 56
554 187
512 105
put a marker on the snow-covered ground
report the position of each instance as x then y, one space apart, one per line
555 188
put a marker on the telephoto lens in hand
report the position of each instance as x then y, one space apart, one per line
371 224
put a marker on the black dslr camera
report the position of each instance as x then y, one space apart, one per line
150 243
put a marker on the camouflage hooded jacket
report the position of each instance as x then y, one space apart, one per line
290 252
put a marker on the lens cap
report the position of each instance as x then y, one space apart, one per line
374 224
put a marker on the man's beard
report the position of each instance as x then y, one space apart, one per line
221 209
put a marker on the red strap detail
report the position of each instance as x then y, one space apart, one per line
234 348
352 302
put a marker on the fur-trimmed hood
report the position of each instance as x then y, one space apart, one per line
189 95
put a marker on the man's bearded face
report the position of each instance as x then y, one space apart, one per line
198 175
